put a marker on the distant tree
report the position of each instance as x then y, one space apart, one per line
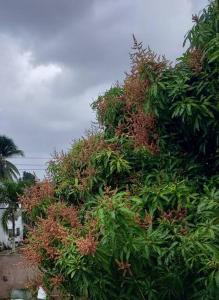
29 178
8 149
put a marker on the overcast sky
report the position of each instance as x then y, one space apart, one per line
57 56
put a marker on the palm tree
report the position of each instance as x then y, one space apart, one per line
9 200
9 196
8 149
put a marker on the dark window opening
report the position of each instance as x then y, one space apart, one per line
18 231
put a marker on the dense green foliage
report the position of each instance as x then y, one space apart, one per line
139 217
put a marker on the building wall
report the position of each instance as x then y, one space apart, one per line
4 236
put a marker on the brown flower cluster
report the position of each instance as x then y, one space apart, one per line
48 233
32 254
85 177
125 267
93 143
195 60
77 163
56 280
175 215
141 128
36 194
144 222
60 212
146 68
105 103
87 245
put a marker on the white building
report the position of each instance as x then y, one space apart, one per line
5 237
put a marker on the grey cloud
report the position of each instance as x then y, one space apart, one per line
41 18
57 56
198 5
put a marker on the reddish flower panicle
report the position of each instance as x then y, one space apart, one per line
125 267
36 194
87 245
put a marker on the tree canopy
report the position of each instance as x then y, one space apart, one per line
131 211
8 149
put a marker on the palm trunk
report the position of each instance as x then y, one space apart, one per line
13 231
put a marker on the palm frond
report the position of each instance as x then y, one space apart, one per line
4 220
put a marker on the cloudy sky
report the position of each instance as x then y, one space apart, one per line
57 56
